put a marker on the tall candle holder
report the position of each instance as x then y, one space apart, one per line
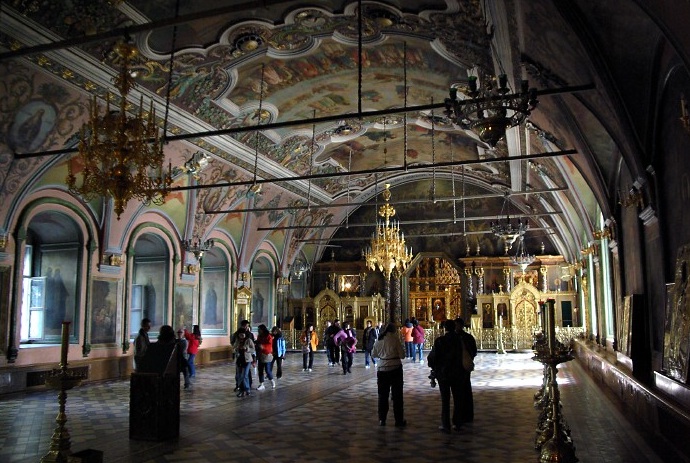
553 435
62 379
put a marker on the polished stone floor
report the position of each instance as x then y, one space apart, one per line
324 416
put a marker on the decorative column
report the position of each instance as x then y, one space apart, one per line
470 290
362 284
506 274
387 296
544 286
396 306
479 271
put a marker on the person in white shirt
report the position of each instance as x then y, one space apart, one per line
389 350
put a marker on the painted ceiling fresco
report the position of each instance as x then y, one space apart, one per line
280 86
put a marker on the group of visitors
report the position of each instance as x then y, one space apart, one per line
340 343
451 360
263 353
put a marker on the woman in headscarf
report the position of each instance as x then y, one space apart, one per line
389 374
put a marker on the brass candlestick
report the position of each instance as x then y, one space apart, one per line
62 380
553 436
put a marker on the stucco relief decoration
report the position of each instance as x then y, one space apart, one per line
221 197
34 116
679 339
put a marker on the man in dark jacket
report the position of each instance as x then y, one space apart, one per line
468 342
331 331
446 361
370 337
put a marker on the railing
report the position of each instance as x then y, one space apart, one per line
514 338
519 338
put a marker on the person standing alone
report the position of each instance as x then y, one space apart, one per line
193 341
369 338
389 375
470 346
445 359
142 342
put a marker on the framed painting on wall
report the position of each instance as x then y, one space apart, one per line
151 275
260 301
213 299
105 309
183 309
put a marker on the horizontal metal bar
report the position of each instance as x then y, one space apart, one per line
372 171
392 203
410 222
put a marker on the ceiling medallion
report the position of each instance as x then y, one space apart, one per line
490 109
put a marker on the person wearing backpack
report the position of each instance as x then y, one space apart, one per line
470 352
445 359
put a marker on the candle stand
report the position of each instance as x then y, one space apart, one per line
553 435
62 379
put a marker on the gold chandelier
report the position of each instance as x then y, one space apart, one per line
387 250
121 156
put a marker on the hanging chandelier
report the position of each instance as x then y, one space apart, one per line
506 229
121 156
521 258
197 247
387 250
490 109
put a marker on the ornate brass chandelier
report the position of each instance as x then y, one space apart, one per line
505 229
387 250
197 247
490 109
121 156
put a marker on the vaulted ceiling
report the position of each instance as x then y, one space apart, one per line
303 110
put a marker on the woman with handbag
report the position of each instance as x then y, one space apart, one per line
309 343
264 354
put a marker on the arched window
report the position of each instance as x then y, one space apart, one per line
215 291
150 283
262 292
51 277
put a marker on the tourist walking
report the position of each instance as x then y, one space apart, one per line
445 359
264 356
368 339
193 342
389 375
325 342
309 343
333 349
417 341
244 347
346 340
406 332
279 350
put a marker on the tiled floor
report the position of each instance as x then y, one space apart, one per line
324 416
